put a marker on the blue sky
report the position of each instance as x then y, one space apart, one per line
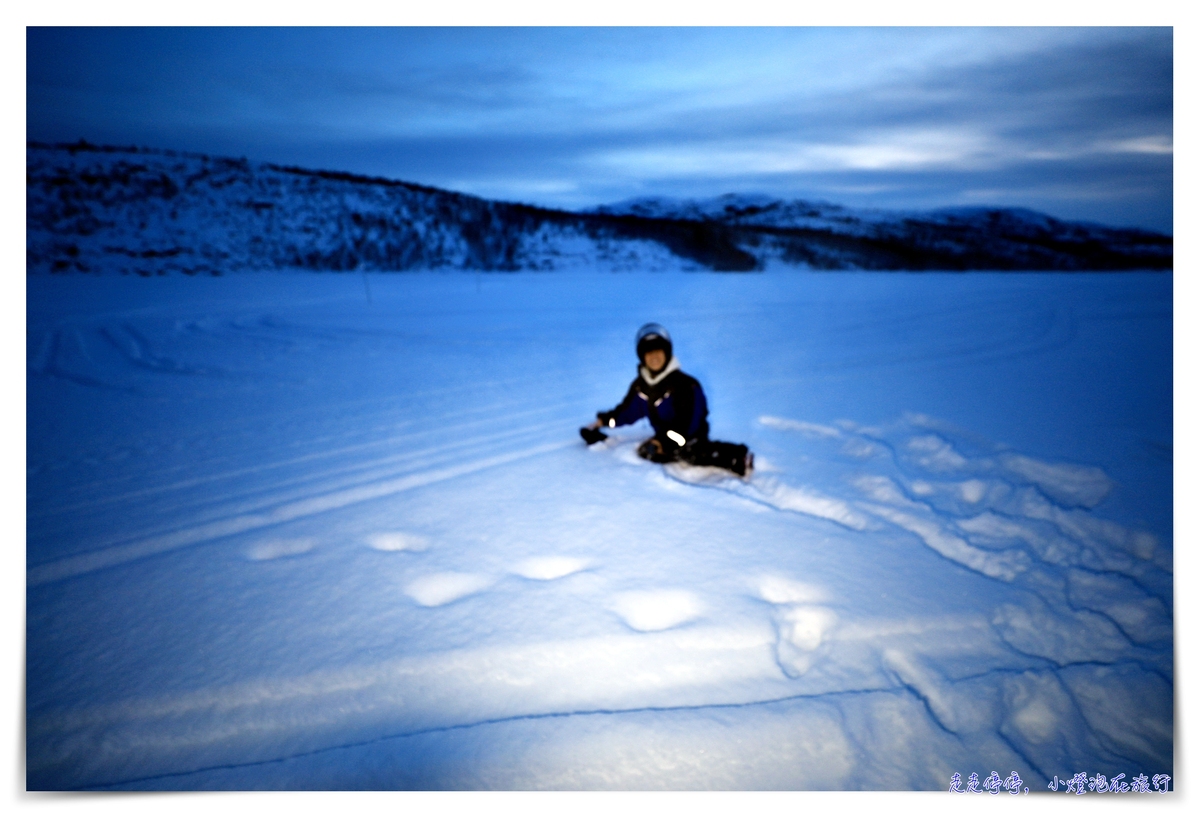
1075 122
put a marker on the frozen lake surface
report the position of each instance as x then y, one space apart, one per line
281 535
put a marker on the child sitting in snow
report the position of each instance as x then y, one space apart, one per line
674 403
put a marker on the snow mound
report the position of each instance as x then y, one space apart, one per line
770 491
1065 483
933 453
1005 565
804 501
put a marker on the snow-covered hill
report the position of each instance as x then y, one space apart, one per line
93 209
147 212
752 209
830 235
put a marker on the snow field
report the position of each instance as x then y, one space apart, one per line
293 538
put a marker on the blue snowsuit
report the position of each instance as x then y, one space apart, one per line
673 401
675 405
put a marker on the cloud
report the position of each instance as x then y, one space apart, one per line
575 117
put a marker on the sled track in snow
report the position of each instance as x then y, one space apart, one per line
267 514
316 457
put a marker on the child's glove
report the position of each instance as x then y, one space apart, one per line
591 436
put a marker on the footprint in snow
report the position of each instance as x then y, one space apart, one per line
440 589
546 568
802 627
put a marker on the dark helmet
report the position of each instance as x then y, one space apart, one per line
653 336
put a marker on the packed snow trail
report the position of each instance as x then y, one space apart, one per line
281 537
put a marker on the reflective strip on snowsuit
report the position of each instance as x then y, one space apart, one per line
674 404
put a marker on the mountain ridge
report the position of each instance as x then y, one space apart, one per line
96 209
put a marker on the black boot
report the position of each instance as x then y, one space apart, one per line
734 457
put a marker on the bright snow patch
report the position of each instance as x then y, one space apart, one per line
397 541
802 629
972 490
780 590
815 429
1075 485
657 610
805 627
791 498
549 567
439 589
274 548
935 454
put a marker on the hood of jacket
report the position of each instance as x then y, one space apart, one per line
653 380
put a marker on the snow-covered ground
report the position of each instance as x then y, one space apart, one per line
285 535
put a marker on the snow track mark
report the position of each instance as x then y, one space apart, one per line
275 548
1005 565
306 507
160 486
264 719
771 492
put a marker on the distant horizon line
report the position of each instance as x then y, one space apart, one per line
83 144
